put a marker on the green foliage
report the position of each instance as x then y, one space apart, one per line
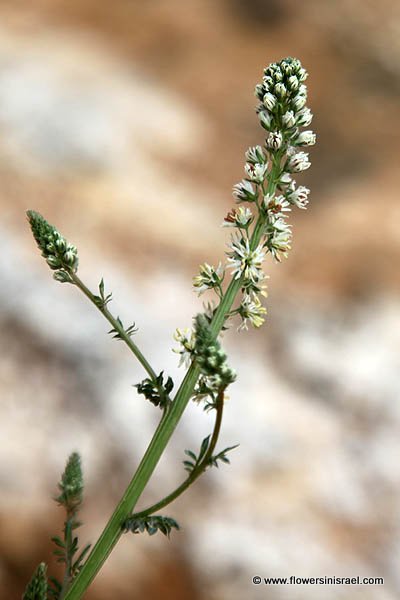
221 456
191 465
196 460
151 524
102 299
156 391
37 587
118 331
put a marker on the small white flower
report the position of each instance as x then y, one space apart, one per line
298 162
302 74
256 172
244 192
276 206
299 102
265 119
305 138
238 217
268 82
269 101
284 181
288 119
304 117
208 278
255 155
244 261
187 340
274 140
251 310
279 239
299 196
280 90
259 91
293 83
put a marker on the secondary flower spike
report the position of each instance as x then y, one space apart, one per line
60 255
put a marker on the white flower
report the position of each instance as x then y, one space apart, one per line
279 239
268 82
209 278
238 217
244 261
288 119
285 180
255 155
269 101
276 206
187 341
274 140
304 117
244 192
298 162
302 74
256 172
280 90
251 310
265 119
299 196
299 102
305 138
293 83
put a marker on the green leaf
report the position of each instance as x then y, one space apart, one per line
151 525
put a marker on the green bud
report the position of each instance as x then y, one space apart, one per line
59 254
71 484
37 587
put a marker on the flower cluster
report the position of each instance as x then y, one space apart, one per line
268 185
200 345
210 357
61 256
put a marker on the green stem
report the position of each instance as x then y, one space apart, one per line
68 556
116 325
197 471
163 433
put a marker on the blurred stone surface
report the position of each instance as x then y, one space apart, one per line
125 124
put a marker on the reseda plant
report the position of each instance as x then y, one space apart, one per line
260 226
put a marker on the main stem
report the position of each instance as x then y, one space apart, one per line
163 433
195 474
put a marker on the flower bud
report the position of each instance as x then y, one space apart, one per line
269 101
280 90
298 162
293 83
304 117
265 119
288 119
274 141
53 262
259 91
305 138
299 102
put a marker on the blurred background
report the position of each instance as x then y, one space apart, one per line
125 123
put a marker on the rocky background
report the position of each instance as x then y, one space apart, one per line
125 124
